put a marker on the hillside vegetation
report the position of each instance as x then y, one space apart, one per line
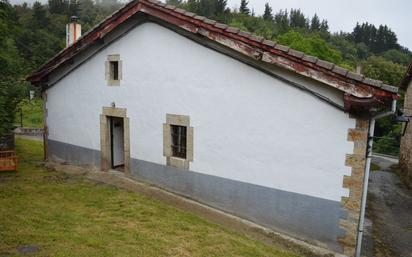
32 34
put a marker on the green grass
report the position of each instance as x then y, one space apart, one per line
72 216
32 113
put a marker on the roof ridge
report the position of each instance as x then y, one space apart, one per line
290 51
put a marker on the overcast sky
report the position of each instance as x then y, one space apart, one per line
342 14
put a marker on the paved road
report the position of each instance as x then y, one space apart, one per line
389 214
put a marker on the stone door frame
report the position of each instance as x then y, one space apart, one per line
105 156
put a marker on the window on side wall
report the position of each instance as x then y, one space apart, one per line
113 70
178 141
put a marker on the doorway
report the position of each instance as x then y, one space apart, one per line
114 140
116 143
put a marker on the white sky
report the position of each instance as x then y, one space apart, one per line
342 14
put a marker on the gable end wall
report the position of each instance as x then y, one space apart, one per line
251 143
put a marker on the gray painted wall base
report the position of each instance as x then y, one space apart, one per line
307 217
72 154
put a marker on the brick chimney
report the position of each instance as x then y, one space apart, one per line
73 31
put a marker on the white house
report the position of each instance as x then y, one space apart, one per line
224 117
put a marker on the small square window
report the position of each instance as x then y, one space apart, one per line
178 141
114 70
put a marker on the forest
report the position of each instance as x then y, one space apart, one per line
32 34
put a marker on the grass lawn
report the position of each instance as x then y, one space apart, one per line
57 215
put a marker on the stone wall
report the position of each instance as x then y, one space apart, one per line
405 159
354 182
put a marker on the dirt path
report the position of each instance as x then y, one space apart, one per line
390 210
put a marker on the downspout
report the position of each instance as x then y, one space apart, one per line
367 172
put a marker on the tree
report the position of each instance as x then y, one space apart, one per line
11 68
58 6
324 27
220 6
377 40
381 69
397 56
267 15
244 9
73 7
312 45
349 51
39 15
174 2
315 23
87 14
193 6
281 20
298 19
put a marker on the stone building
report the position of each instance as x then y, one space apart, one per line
219 115
405 159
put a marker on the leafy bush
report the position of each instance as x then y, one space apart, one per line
381 69
312 45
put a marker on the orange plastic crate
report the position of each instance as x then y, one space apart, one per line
8 160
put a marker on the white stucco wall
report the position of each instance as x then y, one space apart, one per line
248 126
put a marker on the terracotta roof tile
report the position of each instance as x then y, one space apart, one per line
209 21
282 48
180 10
340 71
171 7
232 30
372 82
256 38
269 43
190 14
325 64
221 25
201 18
310 58
244 34
389 88
295 53
355 76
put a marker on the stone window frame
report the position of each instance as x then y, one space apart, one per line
105 155
113 58
178 120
